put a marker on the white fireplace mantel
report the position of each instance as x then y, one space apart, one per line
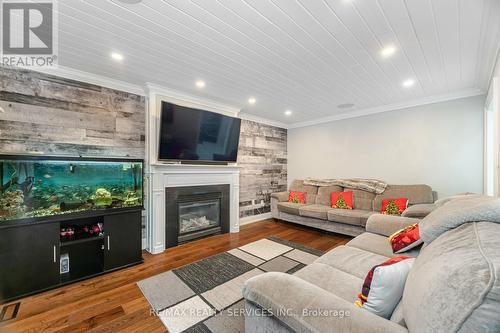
160 176
164 176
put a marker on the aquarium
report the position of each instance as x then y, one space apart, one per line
39 186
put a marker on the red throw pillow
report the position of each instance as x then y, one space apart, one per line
341 200
297 197
405 239
394 206
383 286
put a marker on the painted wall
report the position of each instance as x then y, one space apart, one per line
496 71
438 144
262 156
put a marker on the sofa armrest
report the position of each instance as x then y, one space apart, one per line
276 198
305 307
419 211
280 196
386 225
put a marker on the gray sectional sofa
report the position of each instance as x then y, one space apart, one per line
453 285
317 212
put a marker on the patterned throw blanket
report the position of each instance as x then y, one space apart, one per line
369 185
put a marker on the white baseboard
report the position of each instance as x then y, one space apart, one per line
255 218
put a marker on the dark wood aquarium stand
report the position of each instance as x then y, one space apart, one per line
30 252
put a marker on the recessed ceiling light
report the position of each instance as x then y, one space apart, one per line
252 100
116 56
345 106
200 84
388 51
288 112
408 83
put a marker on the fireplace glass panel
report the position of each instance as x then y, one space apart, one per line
199 215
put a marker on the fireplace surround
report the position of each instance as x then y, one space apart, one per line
160 175
194 212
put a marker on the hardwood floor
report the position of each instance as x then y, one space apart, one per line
114 303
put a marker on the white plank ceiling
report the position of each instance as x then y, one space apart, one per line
307 56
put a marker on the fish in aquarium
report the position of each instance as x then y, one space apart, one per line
36 188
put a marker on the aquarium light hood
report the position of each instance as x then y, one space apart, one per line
39 154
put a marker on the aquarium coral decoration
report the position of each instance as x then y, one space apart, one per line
12 202
132 199
102 197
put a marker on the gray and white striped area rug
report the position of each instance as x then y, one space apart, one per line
206 296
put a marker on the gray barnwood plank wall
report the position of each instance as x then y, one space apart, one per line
49 114
262 156
41 113
53 115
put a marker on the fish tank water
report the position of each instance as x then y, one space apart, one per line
39 186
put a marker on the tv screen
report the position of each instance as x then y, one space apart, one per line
188 134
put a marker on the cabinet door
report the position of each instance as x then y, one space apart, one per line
29 259
123 242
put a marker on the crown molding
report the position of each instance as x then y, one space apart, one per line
261 120
189 100
99 80
149 88
392 107
212 105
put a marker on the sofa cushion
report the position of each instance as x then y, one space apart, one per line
419 211
280 196
341 200
311 198
287 296
316 211
416 194
298 186
323 197
445 200
384 285
351 260
458 212
386 225
297 197
405 239
348 216
454 284
362 199
290 207
378 244
338 282
394 206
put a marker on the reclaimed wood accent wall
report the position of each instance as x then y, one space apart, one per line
57 116
262 156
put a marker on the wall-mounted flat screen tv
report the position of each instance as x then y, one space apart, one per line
40 188
193 135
